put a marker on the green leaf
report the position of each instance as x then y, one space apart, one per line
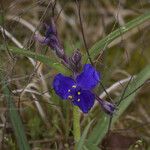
101 128
83 137
90 146
102 44
14 117
42 58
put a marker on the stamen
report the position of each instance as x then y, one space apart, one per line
69 90
70 97
78 100
74 86
79 93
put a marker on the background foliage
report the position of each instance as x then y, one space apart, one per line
117 35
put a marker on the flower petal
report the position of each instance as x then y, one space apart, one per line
84 101
89 77
62 84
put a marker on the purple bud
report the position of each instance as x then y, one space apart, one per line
53 42
50 29
108 107
75 61
76 57
51 39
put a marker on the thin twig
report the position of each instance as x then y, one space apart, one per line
114 87
85 44
82 30
15 41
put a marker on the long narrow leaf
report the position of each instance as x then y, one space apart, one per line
102 44
90 146
42 58
83 137
14 117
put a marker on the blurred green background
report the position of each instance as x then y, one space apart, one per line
47 119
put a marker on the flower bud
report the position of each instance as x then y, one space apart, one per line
51 29
75 61
76 57
51 39
108 107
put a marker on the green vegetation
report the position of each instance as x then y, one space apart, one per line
118 37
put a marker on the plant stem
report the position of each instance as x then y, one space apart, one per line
76 125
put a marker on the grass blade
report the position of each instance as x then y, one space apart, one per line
83 137
90 146
39 57
102 44
14 117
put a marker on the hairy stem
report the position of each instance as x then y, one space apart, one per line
76 124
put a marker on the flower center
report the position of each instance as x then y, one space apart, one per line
74 93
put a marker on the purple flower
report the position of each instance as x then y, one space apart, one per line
79 91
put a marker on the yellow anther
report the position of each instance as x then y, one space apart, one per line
70 97
78 100
74 86
69 90
79 93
